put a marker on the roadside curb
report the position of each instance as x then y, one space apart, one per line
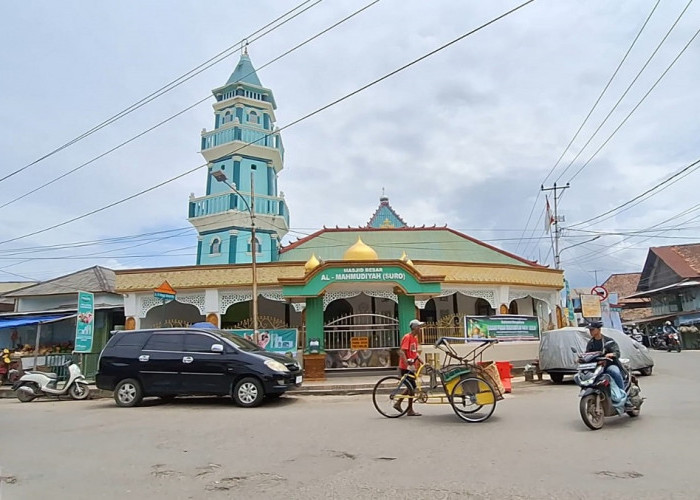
313 389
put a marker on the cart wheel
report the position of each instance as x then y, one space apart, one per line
473 399
387 399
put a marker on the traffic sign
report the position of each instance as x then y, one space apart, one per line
600 291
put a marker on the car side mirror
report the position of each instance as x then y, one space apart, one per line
217 348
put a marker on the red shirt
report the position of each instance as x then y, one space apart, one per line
409 345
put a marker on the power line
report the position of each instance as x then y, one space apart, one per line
585 120
629 87
205 98
636 107
689 169
293 123
169 86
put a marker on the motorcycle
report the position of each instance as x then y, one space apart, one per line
36 384
665 341
673 342
596 393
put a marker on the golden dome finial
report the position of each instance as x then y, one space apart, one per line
404 258
312 263
360 251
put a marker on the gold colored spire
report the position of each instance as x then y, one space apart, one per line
360 251
312 263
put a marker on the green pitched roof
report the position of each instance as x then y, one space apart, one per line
432 243
244 72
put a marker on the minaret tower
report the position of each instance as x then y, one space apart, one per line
246 148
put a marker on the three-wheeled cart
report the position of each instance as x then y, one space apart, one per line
464 383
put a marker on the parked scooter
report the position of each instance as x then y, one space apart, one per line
36 384
596 394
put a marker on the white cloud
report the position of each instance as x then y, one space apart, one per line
464 137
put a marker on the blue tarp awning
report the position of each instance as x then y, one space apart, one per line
31 320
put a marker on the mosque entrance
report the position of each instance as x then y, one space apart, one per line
361 341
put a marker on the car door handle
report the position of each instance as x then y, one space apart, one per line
187 359
144 357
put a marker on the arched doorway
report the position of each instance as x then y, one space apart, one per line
171 314
483 308
429 313
513 307
337 309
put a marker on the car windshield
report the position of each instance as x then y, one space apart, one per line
239 342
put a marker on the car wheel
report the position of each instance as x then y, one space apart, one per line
128 393
248 392
646 371
557 378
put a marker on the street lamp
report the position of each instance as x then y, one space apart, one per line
221 177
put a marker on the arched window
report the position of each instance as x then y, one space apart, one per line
215 247
253 117
257 246
227 117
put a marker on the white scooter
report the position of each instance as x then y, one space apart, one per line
36 384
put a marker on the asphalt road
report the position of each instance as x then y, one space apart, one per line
318 447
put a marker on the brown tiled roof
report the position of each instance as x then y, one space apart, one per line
623 284
684 260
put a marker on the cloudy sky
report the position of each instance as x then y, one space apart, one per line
464 138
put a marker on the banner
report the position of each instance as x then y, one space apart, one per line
85 322
358 358
502 327
590 306
282 341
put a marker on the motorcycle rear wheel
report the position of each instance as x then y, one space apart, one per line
79 391
588 414
24 397
633 413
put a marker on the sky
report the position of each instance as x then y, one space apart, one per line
463 138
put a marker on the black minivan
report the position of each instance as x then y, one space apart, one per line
173 362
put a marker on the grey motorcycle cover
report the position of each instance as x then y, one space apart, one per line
555 348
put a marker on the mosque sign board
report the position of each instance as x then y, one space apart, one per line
356 274
503 327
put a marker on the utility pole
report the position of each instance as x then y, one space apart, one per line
557 233
595 272
254 248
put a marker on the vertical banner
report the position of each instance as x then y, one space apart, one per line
85 322
569 304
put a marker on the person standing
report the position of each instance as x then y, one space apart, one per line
409 362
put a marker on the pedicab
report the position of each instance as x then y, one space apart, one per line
464 383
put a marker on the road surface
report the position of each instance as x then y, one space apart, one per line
319 447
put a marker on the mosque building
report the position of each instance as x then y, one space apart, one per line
335 285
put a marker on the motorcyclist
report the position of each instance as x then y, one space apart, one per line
667 330
606 345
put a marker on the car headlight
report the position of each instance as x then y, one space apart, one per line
276 366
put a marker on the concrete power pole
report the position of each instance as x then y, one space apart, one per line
557 219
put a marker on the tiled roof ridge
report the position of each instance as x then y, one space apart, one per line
434 227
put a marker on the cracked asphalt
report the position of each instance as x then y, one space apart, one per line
319 447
